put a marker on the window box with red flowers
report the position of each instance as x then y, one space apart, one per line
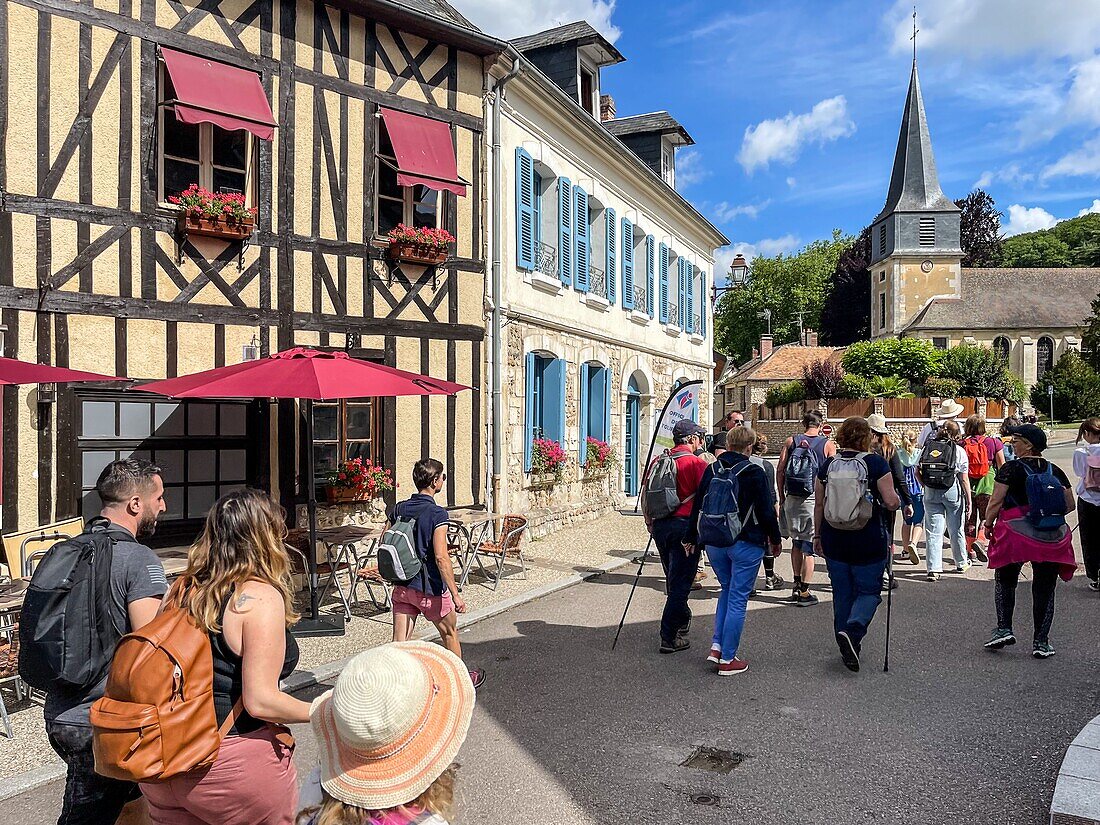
419 246
599 458
214 214
357 480
548 461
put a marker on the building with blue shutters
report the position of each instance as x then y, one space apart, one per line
604 280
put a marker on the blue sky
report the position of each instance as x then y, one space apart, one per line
795 105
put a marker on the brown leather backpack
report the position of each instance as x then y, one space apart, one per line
156 719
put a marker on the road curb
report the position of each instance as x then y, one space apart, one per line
29 780
302 679
1076 799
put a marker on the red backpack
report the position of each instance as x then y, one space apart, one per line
977 455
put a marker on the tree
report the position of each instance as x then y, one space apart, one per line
980 230
846 314
1090 341
979 371
1035 249
822 378
911 358
786 285
1076 389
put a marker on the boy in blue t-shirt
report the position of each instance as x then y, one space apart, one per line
433 592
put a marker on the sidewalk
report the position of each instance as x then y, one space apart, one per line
554 561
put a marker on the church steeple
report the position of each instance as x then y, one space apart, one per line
914 183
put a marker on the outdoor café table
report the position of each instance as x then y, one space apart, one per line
339 544
474 526
174 560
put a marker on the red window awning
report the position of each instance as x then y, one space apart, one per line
211 92
425 154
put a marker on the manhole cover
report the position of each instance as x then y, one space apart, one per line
715 760
705 799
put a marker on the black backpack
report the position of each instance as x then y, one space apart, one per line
67 634
937 464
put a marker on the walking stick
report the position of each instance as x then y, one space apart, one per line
633 587
889 600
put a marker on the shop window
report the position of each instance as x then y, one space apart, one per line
343 430
416 206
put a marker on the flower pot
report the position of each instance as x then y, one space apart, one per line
542 479
417 253
229 229
596 472
343 495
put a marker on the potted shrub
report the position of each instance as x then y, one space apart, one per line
420 246
598 457
357 480
214 214
547 461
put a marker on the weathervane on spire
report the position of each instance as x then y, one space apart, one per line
914 37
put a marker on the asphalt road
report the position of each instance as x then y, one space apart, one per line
568 732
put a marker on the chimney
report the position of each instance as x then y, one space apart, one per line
607 108
765 346
811 338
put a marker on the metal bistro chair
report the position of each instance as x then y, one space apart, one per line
498 552
22 550
366 574
9 666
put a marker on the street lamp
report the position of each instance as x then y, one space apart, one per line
739 276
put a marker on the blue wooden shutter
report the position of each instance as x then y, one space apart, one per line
597 403
582 249
628 264
525 210
681 293
582 408
650 269
689 270
662 276
612 245
565 231
606 407
553 399
703 303
529 419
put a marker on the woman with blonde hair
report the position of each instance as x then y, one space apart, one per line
237 587
388 733
909 454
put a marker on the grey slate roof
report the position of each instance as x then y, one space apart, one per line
654 122
914 184
579 32
1007 299
441 10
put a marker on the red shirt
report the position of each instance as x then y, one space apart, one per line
689 472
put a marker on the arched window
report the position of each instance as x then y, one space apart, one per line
545 401
1044 356
1001 346
595 392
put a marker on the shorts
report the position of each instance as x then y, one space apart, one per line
415 603
918 509
807 547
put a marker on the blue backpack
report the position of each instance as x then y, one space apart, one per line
1046 498
800 474
719 519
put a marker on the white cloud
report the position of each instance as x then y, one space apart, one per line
791 182
1081 162
766 248
515 18
1089 209
1027 219
782 139
689 168
1010 174
975 30
726 212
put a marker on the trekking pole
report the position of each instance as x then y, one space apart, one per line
889 601
633 587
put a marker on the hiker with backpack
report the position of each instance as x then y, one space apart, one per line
414 557
854 488
84 595
948 410
772 580
668 496
193 707
1026 520
734 517
909 454
800 460
985 455
942 472
1086 466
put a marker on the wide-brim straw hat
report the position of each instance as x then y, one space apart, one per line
392 724
877 423
949 408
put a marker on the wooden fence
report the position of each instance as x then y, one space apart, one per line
892 408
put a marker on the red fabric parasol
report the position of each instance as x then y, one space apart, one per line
302 373
13 371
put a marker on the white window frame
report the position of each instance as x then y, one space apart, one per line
668 165
407 204
206 152
584 67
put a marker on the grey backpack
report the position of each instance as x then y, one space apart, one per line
848 502
398 562
660 498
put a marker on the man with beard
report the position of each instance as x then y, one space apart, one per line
132 493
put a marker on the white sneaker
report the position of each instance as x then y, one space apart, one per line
962 568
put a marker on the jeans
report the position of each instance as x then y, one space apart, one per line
680 570
944 508
90 799
1042 596
735 566
856 596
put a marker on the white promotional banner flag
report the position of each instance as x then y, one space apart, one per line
683 403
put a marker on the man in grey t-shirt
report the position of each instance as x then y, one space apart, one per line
133 497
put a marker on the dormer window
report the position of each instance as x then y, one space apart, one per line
588 97
668 166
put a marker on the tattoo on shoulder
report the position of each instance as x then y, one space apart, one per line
241 599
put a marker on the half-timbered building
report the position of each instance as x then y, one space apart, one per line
335 121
